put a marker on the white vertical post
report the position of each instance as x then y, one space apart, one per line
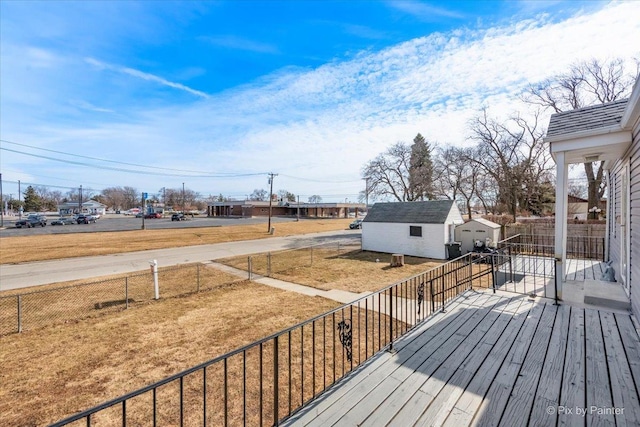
562 170
154 270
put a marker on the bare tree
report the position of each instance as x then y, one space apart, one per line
259 195
513 155
585 84
315 199
458 174
388 174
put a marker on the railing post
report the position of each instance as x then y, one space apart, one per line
311 256
391 318
493 273
470 271
268 264
433 302
126 292
276 386
19 313
198 277
249 267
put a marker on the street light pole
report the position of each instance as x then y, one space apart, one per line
183 198
271 176
19 201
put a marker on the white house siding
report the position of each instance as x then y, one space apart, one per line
616 210
634 203
395 238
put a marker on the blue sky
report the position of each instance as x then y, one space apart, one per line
217 94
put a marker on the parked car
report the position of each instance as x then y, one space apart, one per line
153 215
356 224
63 221
31 221
85 219
178 217
139 215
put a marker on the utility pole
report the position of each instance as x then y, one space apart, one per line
19 201
298 216
271 176
80 200
183 197
3 204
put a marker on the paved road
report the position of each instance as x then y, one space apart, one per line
44 272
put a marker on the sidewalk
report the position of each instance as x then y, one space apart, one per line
333 294
16 276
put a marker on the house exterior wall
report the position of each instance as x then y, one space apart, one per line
630 165
394 238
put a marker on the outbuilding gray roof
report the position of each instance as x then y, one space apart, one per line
583 119
486 222
430 212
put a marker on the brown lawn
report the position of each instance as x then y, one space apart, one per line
48 374
331 267
40 248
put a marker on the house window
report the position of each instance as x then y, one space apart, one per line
415 230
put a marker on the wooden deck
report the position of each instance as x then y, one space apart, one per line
495 359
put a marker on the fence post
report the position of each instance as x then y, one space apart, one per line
154 271
469 260
198 277
126 292
249 267
311 248
19 313
268 264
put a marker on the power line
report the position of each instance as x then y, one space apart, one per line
130 170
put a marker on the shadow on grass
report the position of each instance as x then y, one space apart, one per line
377 257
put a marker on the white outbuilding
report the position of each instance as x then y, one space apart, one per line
477 229
411 228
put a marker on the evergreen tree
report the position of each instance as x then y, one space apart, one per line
420 170
32 201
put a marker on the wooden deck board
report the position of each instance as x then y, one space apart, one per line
420 371
492 406
372 384
495 358
415 404
598 388
548 392
526 384
623 389
497 337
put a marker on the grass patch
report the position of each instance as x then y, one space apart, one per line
17 249
334 267
51 373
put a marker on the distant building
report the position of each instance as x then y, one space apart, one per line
90 207
253 208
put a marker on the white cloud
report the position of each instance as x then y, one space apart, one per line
239 43
144 76
323 124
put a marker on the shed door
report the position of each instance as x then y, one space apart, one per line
480 234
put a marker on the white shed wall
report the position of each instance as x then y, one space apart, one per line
395 238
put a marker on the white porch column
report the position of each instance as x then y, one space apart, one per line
562 170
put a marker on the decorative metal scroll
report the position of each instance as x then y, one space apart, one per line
420 295
344 328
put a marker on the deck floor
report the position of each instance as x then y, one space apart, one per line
495 359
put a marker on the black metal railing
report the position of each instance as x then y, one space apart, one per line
270 379
578 247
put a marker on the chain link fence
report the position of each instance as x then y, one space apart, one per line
37 309
271 263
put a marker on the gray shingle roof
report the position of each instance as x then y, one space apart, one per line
597 116
430 212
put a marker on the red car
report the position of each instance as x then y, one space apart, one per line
153 215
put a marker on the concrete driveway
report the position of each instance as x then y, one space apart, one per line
45 272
